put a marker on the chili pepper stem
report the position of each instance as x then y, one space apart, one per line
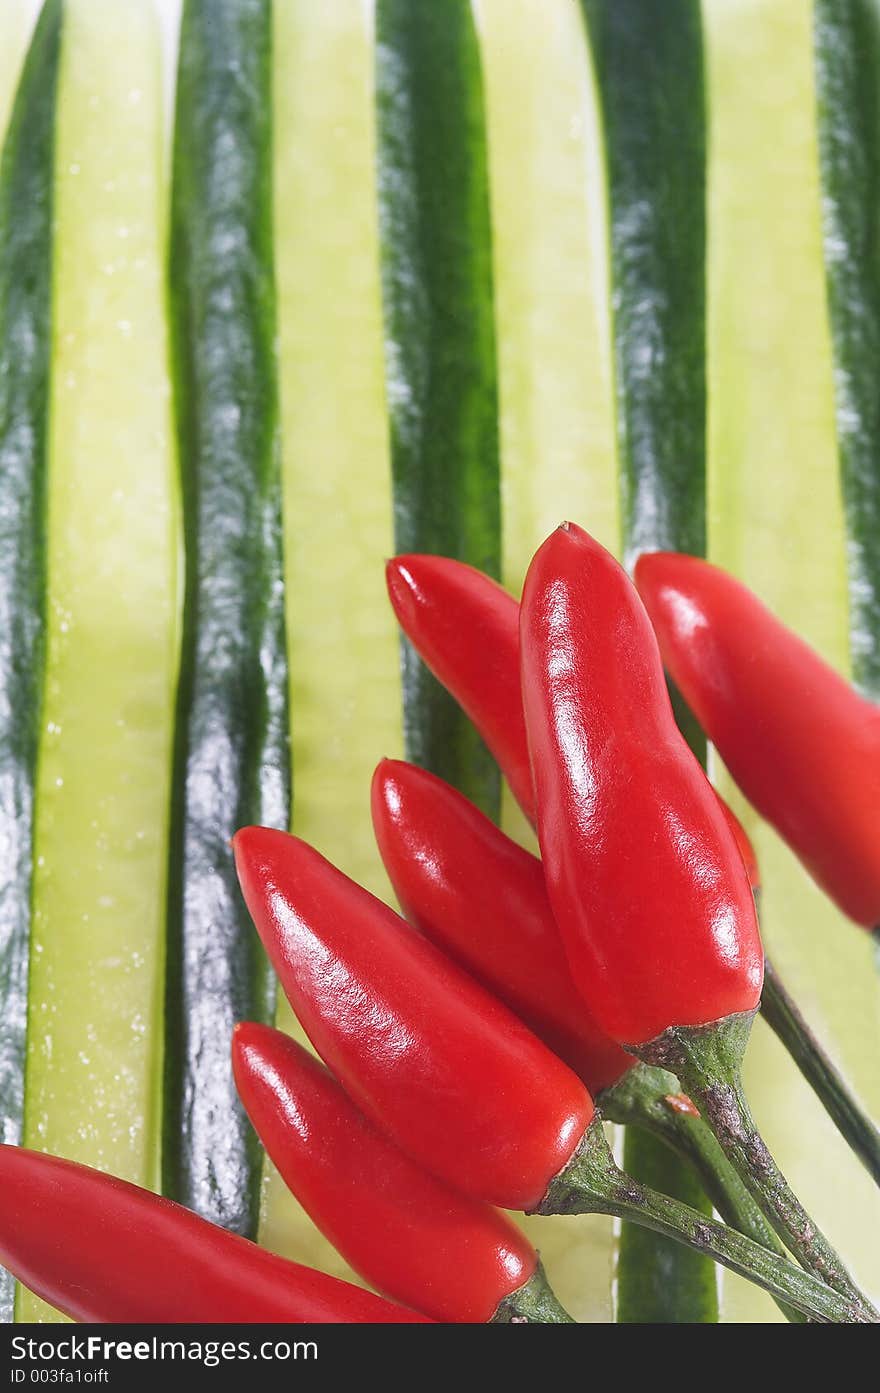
785 1020
706 1060
593 1183
534 1303
650 1098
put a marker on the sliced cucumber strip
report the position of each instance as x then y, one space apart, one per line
439 335
558 456
231 758
775 519
27 175
847 49
549 218
342 636
650 80
102 800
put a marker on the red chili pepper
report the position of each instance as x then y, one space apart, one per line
466 628
102 1250
644 876
801 743
444 1069
743 842
407 1234
481 898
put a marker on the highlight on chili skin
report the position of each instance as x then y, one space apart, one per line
451 651
401 1229
644 876
397 1021
801 743
481 898
150 1260
466 630
470 1051
439 466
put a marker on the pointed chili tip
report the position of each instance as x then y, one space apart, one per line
387 765
385 790
573 532
401 586
653 567
257 846
642 571
664 580
242 1031
248 1036
380 772
242 842
238 1042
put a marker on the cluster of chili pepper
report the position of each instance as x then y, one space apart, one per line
471 1049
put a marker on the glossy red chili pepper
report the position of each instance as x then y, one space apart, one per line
406 1233
803 746
466 628
482 899
102 1250
643 874
442 1067
743 842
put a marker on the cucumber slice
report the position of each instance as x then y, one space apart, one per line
102 800
847 49
342 636
231 758
558 456
27 173
651 88
552 307
650 80
776 520
439 335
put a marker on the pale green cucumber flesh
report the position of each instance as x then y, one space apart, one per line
103 789
342 634
558 456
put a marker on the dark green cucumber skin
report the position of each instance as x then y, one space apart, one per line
26 199
439 335
654 1285
847 58
650 80
651 86
231 757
